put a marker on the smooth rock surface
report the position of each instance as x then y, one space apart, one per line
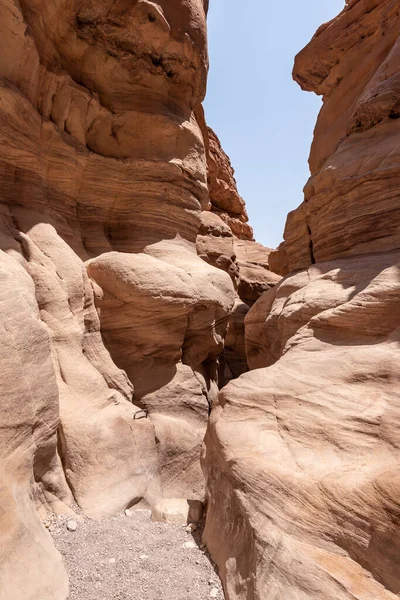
302 454
72 525
177 511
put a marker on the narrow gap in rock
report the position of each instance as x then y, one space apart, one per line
311 245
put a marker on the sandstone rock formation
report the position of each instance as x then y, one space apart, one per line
112 326
246 262
224 197
302 454
225 240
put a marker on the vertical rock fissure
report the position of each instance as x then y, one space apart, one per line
311 245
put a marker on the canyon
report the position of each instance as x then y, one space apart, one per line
151 349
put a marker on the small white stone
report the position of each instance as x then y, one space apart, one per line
128 513
190 544
72 525
202 546
143 557
191 527
112 561
214 593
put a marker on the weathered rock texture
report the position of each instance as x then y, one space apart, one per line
108 313
302 454
225 240
224 197
246 262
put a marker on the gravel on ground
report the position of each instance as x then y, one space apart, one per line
128 557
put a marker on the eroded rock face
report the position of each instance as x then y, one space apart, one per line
108 314
354 153
302 454
225 240
30 416
224 197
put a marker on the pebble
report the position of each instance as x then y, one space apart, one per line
214 593
72 525
190 544
143 557
191 527
112 561
128 513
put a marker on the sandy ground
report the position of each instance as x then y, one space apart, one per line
131 558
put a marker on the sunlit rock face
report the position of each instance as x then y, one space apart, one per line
108 314
302 454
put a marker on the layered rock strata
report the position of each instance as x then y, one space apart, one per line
112 326
225 240
302 453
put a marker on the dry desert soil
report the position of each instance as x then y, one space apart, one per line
132 558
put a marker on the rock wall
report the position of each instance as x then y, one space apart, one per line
302 453
112 326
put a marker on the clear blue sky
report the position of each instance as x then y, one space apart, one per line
264 120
